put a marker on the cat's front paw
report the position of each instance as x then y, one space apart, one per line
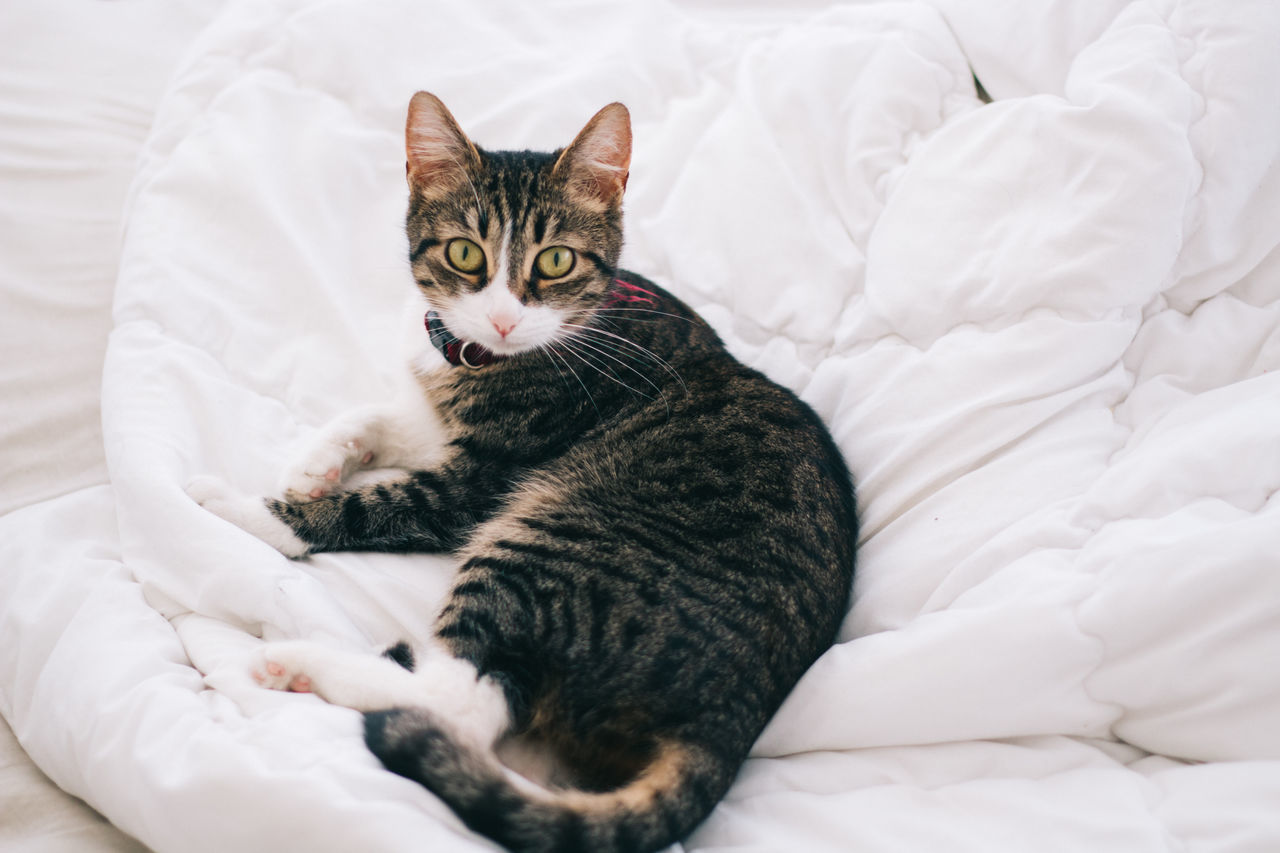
323 469
215 495
246 512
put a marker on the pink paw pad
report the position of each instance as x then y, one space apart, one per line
270 670
367 458
317 492
332 474
300 684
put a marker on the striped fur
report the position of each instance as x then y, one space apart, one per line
655 540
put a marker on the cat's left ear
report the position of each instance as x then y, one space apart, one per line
596 164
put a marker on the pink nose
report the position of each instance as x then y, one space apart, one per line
503 325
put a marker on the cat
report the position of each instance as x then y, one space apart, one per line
655 541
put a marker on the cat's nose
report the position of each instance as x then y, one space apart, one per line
503 325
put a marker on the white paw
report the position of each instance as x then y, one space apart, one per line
324 467
215 495
279 666
247 512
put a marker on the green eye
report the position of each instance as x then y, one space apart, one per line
465 255
554 262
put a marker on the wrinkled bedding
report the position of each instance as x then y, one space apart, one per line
1044 332
77 95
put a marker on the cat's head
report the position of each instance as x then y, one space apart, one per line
513 249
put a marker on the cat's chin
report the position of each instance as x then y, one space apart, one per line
498 346
506 349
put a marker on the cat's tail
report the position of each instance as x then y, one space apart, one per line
659 807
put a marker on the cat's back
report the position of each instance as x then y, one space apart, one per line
713 413
717 466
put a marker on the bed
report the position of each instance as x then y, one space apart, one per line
1044 330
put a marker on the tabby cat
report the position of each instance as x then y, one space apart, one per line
654 540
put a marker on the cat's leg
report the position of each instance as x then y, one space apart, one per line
415 511
406 433
419 511
248 512
474 705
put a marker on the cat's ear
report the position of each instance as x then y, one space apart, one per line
439 153
595 165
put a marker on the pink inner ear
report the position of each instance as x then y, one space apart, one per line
599 158
436 147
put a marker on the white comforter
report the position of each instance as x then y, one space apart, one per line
1043 331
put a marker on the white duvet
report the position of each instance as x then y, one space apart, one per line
1043 331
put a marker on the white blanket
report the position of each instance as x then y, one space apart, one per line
1043 332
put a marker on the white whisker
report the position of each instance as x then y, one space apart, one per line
608 372
600 347
545 350
580 382
584 330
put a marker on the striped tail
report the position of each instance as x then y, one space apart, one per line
659 807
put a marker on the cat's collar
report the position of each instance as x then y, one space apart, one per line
455 350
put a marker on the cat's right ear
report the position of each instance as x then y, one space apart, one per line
439 155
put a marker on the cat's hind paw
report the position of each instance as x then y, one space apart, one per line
275 668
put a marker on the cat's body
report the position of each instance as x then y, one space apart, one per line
655 541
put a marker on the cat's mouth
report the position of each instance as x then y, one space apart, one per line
462 344
502 326
501 345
